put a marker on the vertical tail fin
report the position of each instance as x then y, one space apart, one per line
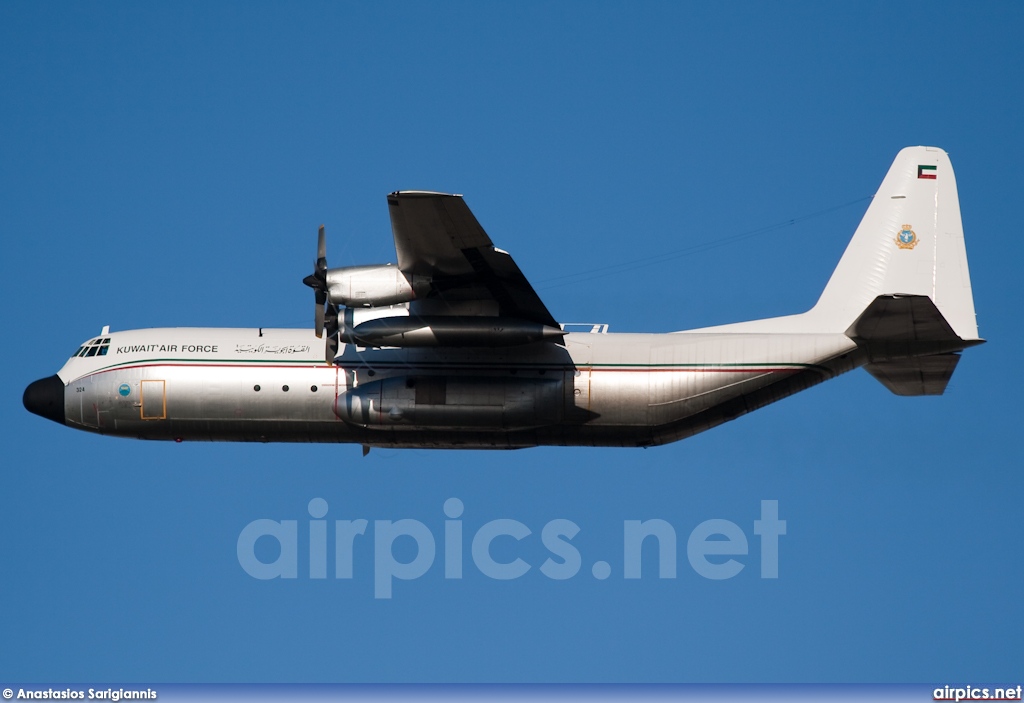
910 242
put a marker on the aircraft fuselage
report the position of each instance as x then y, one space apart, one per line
189 384
460 351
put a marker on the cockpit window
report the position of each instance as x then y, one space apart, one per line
94 347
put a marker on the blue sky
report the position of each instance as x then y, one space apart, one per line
167 165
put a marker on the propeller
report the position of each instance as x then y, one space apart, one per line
318 281
326 314
331 327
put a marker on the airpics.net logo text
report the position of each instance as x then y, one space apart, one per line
715 549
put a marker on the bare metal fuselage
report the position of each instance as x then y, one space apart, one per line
599 389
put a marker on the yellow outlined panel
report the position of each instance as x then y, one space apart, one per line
153 400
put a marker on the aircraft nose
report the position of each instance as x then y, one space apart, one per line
45 398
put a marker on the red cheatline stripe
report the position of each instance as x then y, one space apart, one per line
700 369
321 367
142 365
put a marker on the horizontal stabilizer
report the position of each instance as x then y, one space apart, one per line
911 347
923 375
902 318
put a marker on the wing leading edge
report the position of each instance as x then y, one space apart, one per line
437 236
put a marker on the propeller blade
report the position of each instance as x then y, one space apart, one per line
331 320
318 320
326 317
318 282
330 349
321 251
331 328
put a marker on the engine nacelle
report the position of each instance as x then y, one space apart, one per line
353 317
372 286
447 331
465 403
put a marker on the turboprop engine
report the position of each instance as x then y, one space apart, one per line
355 287
377 312
373 286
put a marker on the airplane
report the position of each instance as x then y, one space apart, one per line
452 348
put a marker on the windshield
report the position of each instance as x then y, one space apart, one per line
94 347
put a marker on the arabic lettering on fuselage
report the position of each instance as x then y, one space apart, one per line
213 348
271 348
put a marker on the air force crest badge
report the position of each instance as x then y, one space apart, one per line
906 238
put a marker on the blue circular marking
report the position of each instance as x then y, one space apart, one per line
125 390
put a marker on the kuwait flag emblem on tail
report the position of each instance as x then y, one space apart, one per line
926 172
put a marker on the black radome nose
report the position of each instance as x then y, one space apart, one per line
45 398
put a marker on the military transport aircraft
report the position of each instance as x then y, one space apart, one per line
453 348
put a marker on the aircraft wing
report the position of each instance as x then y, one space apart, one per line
437 236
